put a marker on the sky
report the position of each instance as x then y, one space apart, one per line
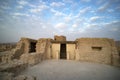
72 18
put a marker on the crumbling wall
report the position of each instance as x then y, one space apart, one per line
43 47
7 46
23 47
59 38
11 76
98 50
15 66
6 56
31 59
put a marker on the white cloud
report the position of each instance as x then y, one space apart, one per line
74 25
22 2
68 18
57 4
83 11
104 7
78 23
38 9
57 13
60 25
94 18
20 14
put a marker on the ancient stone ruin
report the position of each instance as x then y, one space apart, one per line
30 52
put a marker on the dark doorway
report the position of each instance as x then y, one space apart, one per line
63 51
32 47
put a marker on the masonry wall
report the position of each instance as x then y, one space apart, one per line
7 46
59 38
55 51
70 51
88 49
43 47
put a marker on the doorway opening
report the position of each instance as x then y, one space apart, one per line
32 47
63 51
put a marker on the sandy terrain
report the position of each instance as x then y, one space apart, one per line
72 70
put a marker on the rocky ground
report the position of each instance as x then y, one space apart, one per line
72 70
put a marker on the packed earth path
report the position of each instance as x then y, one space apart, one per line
72 70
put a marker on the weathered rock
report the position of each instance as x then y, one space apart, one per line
15 66
7 46
6 76
31 59
59 38
24 77
43 47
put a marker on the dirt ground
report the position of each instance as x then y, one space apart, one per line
72 70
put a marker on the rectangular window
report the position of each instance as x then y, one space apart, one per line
32 47
97 48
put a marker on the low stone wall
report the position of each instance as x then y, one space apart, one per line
7 46
6 76
31 58
11 76
15 66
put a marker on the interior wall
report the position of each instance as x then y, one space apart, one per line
55 51
63 52
70 51
32 47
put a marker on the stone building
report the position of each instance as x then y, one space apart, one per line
98 50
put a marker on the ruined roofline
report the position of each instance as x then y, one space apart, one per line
64 42
29 39
94 38
45 38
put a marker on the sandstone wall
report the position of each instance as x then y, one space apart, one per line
43 47
7 46
98 50
23 46
70 51
118 48
55 51
31 59
59 38
15 66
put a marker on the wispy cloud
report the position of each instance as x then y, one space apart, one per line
83 11
104 7
57 4
57 13
20 14
22 2
38 8
94 18
60 25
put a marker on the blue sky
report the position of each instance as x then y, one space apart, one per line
46 18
